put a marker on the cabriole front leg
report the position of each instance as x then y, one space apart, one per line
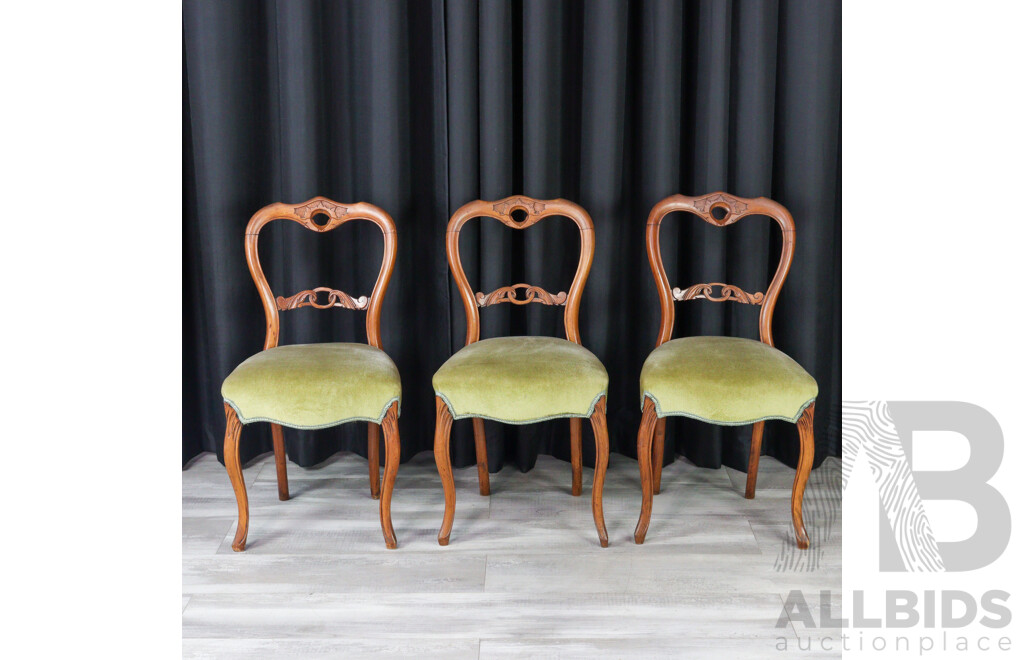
805 425
233 462
644 439
393 454
442 434
600 424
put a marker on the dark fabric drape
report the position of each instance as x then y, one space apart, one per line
422 106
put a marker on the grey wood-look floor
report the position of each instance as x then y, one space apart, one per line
524 575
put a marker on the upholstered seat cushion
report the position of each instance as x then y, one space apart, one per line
310 386
519 380
726 380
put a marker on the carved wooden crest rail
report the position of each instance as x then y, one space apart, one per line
532 294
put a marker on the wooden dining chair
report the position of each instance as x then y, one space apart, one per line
722 380
521 380
315 386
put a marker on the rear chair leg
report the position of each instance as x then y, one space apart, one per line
755 457
576 449
659 453
373 458
281 460
481 456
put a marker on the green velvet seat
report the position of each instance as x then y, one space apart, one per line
726 380
519 380
312 386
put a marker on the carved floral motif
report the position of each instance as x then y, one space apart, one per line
532 207
335 298
509 294
728 292
329 208
736 207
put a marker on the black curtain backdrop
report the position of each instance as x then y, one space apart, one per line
422 106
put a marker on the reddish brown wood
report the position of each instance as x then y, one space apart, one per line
281 461
805 425
337 215
480 440
755 459
442 456
531 294
393 454
536 210
373 458
722 209
734 208
600 426
644 440
305 214
335 298
502 210
659 453
576 454
729 292
233 463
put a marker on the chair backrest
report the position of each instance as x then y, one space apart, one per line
336 215
535 210
719 209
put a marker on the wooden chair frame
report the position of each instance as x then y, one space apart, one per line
337 215
718 209
535 210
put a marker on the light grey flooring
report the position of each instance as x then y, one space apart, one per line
524 575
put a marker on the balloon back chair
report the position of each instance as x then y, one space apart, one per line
521 380
722 380
315 386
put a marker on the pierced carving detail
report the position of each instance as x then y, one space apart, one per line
329 208
729 292
335 298
532 207
509 294
706 203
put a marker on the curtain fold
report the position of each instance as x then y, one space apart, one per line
420 107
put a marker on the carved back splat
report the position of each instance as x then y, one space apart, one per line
337 215
536 210
719 209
